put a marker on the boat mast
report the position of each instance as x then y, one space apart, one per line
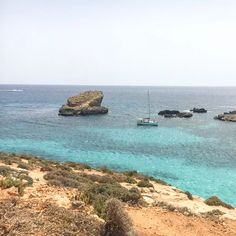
149 109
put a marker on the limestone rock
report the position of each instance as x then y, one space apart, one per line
86 103
227 116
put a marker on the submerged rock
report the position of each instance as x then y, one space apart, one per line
227 116
86 103
175 113
199 110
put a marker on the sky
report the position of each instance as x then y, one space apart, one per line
118 42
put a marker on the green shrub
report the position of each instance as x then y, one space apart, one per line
20 189
214 214
85 166
144 184
131 173
104 169
106 191
189 195
130 180
101 178
99 205
215 201
9 182
63 167
64 178
28 179
64 182
46 168
24 166
5 171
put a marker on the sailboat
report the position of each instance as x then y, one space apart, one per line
147 121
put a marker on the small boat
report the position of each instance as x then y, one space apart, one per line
147 121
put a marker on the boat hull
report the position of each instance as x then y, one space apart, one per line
147 124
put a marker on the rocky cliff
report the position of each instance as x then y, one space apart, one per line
86 103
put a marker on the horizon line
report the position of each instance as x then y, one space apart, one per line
120 85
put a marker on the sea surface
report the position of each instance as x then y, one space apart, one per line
196 154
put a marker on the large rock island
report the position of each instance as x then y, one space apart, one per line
227 116
86 103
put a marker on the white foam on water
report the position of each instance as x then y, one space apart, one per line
11 90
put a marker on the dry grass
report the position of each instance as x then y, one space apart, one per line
18 218
118 222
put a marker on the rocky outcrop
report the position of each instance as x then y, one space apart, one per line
227 116
199 110
175 113
185 114
86 103
168 112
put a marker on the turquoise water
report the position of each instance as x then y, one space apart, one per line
198 154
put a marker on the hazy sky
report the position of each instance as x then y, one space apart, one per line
118 42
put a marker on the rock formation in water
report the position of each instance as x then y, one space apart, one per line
227 116
86 103
199 110
175 113
168 112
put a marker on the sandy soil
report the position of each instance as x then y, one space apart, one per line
160 222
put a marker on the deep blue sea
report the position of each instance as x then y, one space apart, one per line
196 154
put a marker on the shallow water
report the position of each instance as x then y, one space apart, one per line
197 154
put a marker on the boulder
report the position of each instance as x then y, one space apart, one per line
86 103
199 110
227 116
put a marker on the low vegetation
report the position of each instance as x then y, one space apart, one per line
215 201
117 222
213 215
14 178
24 166
65 178
189 195
98 194
144 184
20 219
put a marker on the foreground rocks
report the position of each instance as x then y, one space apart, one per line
175 113
227 116
86 103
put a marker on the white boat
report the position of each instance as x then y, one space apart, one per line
147 121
